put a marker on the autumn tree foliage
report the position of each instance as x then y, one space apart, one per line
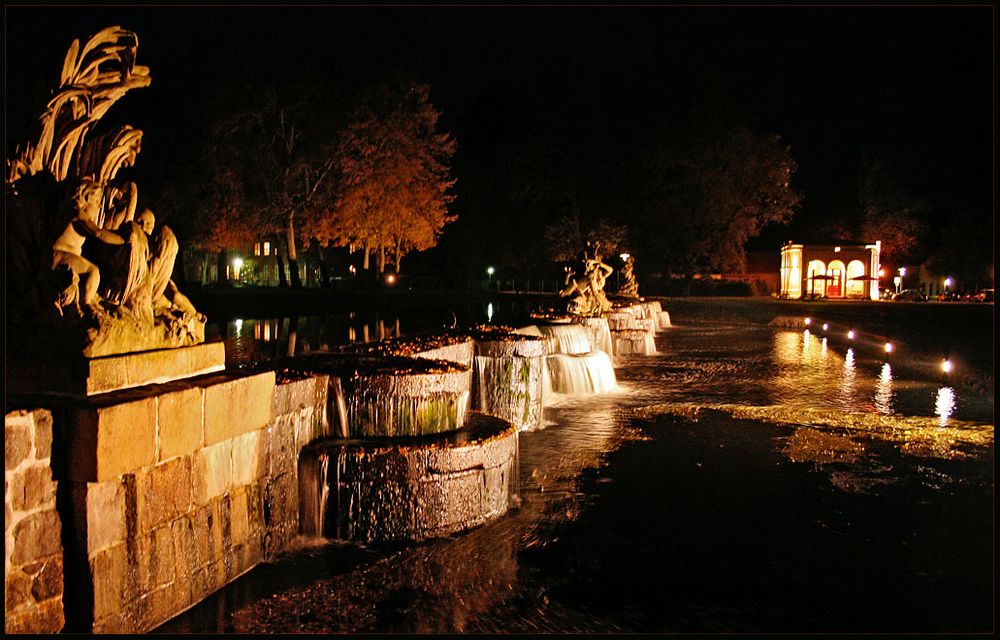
392 167
269 166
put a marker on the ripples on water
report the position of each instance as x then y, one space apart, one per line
741 479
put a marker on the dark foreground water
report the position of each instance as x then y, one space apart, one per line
743 479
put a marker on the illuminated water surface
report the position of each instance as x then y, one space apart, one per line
742 479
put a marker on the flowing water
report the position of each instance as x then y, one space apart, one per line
740 480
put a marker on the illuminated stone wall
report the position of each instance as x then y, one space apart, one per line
169 493
33 552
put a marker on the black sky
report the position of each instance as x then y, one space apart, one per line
912 84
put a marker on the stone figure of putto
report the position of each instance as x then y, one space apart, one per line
584 285
85 274
629 287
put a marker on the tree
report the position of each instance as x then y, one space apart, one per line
393 170
269 168
708 195
889 212
564 240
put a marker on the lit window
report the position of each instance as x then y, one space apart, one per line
256 249
267 248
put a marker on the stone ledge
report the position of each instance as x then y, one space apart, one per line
82 377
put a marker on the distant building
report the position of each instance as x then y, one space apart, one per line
839 269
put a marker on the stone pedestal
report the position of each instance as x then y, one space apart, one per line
507 379
81 377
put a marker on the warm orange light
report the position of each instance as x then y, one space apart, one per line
808 321
391 279
946 365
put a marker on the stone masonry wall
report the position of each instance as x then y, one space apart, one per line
33 552
176 493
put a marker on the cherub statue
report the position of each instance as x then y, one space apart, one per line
587 287
67 250
120 281
629 288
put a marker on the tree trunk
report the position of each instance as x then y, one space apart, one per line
204 269
221 265
281 269
324 268
381 260
398 258
293 258
366 263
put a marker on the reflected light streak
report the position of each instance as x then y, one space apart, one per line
944 406
489 312
847 382
883 391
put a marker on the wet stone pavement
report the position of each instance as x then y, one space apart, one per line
742 480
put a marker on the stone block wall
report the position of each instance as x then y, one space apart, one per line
178 492
33 551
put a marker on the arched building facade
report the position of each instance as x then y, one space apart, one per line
835 270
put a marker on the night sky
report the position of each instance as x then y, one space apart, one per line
913 85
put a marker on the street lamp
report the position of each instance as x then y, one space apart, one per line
899 280
489 276
947 283
618 273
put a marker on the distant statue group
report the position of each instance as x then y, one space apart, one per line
629 287
584 284
81 262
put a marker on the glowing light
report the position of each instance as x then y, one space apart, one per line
825 326
239 325
489 312
625 256
947 282
888 347
946 366
352 269
391 279
902 271
851 334
237 263
808 321
490 271
881 273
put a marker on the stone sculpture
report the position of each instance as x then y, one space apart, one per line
584 284
629 287
84 274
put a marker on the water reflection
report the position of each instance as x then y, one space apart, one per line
847 382
944 406
883 391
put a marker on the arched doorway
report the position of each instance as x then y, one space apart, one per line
816 278
857 283
835 284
